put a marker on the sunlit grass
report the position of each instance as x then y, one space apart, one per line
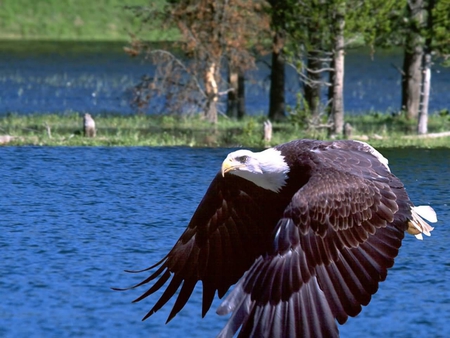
380 130
100 20
388 124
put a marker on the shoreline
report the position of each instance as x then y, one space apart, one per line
381 131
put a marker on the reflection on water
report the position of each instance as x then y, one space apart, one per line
97 77
72 219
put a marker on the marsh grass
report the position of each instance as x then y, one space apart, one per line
380 130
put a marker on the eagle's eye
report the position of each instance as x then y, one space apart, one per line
242 159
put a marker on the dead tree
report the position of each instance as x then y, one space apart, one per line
89 126
267 132
412 60
422 123
236 94
337 92
210 32
348 130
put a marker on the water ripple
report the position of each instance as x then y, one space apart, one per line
73 219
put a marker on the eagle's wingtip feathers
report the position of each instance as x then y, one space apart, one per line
417 226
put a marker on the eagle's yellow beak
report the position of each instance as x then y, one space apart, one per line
227 166
231 164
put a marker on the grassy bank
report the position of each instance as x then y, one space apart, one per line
81 20
66 130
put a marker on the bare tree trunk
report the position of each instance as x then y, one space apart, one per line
312 86
277 76
277 79
337 105
330 88
236 96
232 103
422 124
267 132
211 91
411 81
241 95
412 61
89 126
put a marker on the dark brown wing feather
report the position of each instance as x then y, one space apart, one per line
332 247
220 243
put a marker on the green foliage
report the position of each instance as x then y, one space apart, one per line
299 114
375 19
403 19
444 112
441 27
311 22
72 20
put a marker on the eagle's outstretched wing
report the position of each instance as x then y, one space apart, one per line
220 243
310 254
336 239
332 247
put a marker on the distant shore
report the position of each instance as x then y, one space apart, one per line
81 20
380 130
107 20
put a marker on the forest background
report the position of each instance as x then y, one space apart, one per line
214 44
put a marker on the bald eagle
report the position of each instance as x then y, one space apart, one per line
306 230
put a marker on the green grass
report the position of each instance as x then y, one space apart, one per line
81 20
382 131
385 130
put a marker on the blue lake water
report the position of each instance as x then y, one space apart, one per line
72 219
99 80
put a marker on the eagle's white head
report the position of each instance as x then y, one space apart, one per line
267 169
